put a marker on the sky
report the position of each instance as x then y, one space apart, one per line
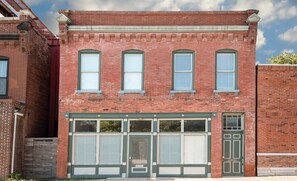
277 30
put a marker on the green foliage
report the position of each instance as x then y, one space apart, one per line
284 58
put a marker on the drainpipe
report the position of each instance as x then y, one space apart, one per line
16 114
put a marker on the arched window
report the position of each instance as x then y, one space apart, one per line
226 70
89 71
133 68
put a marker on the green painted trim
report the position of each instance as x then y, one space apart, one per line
236 69
88 51
5 59
138 115
184 51
9 36
155 149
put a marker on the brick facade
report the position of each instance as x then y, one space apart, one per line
158 48
276 119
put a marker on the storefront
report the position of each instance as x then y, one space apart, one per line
139 145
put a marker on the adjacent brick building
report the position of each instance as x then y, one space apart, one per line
157 94
26 58
276 119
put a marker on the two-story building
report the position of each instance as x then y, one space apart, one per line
28 53
157 94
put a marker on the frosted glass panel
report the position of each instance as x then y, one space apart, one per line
89 81
183 62
132 81
225 81
182 81
84 150
90 62
169 149
133 63
195 149
226 61
110 149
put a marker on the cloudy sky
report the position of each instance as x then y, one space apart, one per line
277 29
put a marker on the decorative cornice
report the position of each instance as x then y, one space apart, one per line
155 29
63 19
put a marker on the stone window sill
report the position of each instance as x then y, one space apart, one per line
142 92
88 91
236 91
183 92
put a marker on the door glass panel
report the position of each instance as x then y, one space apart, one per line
236 151
139 152
227 149
140 126
170 126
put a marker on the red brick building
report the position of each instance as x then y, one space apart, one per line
157 94
27 53
276 119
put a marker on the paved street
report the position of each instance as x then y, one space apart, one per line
273 178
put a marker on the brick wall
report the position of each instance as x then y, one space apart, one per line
6 132
158 48
276 119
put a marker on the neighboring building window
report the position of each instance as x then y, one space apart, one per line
89 70
183 70
133 71
182 141
3 77
226 70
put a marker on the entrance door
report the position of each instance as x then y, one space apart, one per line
232 153
139 155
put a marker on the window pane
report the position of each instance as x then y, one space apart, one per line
225 81
110 149
182 62
194 125
110 126
226 61
140 126
3 84
90 62
133 63
170 126
195 149
84 150
3 68
169 149
183 81
89 81
85 126
133 81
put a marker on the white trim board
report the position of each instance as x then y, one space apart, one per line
160 29
276 154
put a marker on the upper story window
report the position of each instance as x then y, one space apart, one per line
3 76
183 70
133 67
226 71
89 71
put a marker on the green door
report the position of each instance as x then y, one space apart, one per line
139 155
232 153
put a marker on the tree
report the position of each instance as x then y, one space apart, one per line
284 58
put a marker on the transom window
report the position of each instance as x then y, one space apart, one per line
89 70
98 126
226 68
132 70
232 122
183 70
3 76
140 125
183 125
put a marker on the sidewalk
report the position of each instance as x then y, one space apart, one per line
271 178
